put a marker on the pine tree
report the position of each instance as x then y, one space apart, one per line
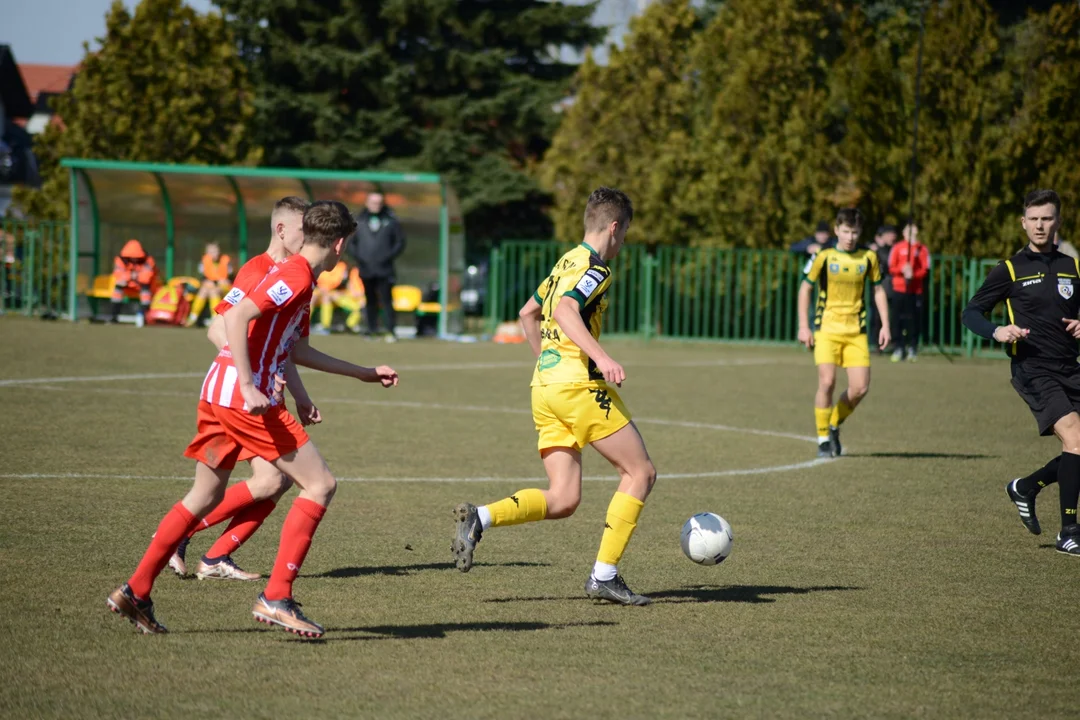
465 88
630 127
167 85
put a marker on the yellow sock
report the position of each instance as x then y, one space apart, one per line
840 413
622 517
521 507
326 313
352 306
821 418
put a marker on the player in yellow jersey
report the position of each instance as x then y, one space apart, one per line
575 403
839 334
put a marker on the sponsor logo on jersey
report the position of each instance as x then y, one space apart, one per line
834 268
548 359
1036 281
1065 287
280 293
234 296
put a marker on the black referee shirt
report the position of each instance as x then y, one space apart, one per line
1038 289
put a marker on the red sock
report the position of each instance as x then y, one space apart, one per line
174 526
243 526
300 525
236 499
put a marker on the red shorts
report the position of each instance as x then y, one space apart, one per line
225 436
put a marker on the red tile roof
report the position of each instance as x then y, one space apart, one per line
46 78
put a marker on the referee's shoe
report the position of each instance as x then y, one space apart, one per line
1068 540
1025 505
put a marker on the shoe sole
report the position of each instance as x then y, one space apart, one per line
614 601
309 634
1066 552
138 625
180 572
463 554
214 576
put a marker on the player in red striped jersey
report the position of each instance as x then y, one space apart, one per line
238 416
250 502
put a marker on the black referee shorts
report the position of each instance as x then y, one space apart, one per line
1051 390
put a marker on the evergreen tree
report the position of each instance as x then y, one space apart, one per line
630 127
466 88
167 85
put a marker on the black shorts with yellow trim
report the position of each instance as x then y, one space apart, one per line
1051 390
576 414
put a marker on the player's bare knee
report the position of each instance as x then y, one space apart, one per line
562 505
857 392
267 485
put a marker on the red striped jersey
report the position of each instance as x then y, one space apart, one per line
284 298
250 275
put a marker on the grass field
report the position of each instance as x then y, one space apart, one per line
894 582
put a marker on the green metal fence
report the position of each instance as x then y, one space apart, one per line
723 294
34 277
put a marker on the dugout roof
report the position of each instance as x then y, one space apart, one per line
174 210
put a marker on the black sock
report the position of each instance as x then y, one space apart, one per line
1069 486
1036 481
115 310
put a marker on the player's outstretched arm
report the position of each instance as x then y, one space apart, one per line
530 315
305 408
568 315
806 335
216 332
306 356
881 302
236 327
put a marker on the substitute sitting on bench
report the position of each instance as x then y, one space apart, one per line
133 269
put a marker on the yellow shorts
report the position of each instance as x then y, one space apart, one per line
576 414
845 351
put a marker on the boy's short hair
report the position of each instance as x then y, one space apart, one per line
605 206
1035 198
850 217
326 221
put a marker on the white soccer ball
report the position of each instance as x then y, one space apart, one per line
706 539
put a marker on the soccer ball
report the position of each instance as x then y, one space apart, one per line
706 539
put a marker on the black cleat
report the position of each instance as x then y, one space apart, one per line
824 449
469 532
614 590
1025 505
1068 540
140 612
834 441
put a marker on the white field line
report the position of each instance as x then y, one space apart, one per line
19 382
48 384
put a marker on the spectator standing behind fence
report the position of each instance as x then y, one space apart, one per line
882 245
133 269
378 241
909 265
813 244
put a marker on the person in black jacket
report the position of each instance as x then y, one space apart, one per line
378 241
1040 287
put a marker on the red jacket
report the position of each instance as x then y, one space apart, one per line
920 266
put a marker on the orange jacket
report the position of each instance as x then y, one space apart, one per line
216 271
133 265
332 279
356 285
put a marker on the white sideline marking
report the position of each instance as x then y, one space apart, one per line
735 362
589 478
46 384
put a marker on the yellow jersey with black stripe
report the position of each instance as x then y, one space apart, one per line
842 278
583 275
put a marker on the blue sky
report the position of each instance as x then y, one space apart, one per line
52 31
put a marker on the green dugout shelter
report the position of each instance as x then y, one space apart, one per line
175 210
